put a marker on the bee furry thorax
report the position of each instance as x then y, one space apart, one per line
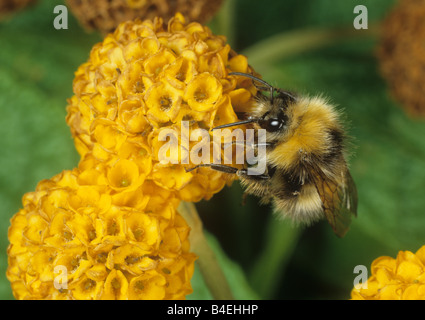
313 135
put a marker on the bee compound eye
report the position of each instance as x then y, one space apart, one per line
274 124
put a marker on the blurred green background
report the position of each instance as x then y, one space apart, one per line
262 257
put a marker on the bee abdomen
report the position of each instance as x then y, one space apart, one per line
286 186
298 201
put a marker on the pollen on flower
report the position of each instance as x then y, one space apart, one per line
168 74
165 103
124 183
200 96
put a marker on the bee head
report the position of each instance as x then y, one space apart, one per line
271 113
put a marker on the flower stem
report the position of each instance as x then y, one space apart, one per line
269 267
225 21
263 53
207 261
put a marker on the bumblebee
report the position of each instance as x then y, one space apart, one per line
306 176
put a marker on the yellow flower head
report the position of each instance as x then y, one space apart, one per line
93 233
402 278
147 78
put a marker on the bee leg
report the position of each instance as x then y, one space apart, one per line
243 143
233 143
255 177
218 167
228 169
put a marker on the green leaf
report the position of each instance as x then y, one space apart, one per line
37 65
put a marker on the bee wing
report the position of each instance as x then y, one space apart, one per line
351 193
339 199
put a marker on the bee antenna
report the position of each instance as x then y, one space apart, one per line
289 95
256 79
250 76
235 124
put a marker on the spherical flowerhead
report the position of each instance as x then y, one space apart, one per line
10 6
106 15
402 278
148 86
401 54
98 232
